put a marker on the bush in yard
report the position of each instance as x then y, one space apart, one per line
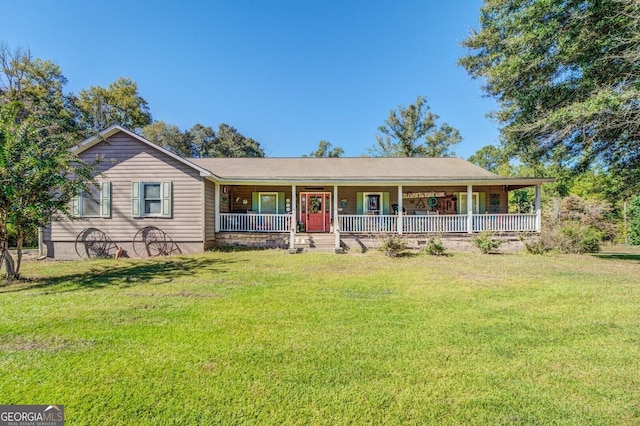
486 243
574 225
393 246
634 221
534 244
580 239
434 247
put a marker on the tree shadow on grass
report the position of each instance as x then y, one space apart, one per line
123 275
618 256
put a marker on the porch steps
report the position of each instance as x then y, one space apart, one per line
315 242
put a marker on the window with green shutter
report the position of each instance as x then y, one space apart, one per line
151 199
95 203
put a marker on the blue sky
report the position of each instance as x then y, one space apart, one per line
287 73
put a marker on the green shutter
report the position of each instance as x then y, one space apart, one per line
482 202
105 199
385 203
255 203
281 203
359 201
75 206
166 199
135 199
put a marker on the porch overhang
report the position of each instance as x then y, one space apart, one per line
511 183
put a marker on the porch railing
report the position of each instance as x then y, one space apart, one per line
368 224
242 222
434 223
504 222
382 224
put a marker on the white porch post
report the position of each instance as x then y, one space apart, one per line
400 210
216 192
294 219
336 221
538 209
470 209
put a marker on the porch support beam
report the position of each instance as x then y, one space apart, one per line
216 192
294 219
400 230
538 209
336 221
470 209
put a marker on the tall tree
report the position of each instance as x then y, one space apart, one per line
566 74
231 143
326 150
120 103
490 157
39 174
203 140
413 132
169 136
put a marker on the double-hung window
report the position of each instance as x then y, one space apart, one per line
151 199
95 203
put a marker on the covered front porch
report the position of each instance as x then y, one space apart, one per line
372 210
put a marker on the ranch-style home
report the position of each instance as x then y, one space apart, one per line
149 201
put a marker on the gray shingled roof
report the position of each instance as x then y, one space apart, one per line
336 169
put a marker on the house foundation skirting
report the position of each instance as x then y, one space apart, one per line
361 242
68 250
453 242
252 239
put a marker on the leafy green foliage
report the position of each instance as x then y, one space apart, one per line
168 136
413 132
393 246
567 78
202 141
634 220
490 157
435 247
39 175
231 143
326 150
574 225
120 104
486 242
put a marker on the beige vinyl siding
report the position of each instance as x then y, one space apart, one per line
126 160
209 211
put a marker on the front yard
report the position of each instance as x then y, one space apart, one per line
270 338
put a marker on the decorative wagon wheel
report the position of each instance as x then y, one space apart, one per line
152 242
92 243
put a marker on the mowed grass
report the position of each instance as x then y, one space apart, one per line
265 337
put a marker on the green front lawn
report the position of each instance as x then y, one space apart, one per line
271 338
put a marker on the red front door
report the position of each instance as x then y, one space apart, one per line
315 212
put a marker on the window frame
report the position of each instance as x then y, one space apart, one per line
365 204
138 200
102 200
475 203
143 199
260 194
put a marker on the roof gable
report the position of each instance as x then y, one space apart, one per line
115 129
